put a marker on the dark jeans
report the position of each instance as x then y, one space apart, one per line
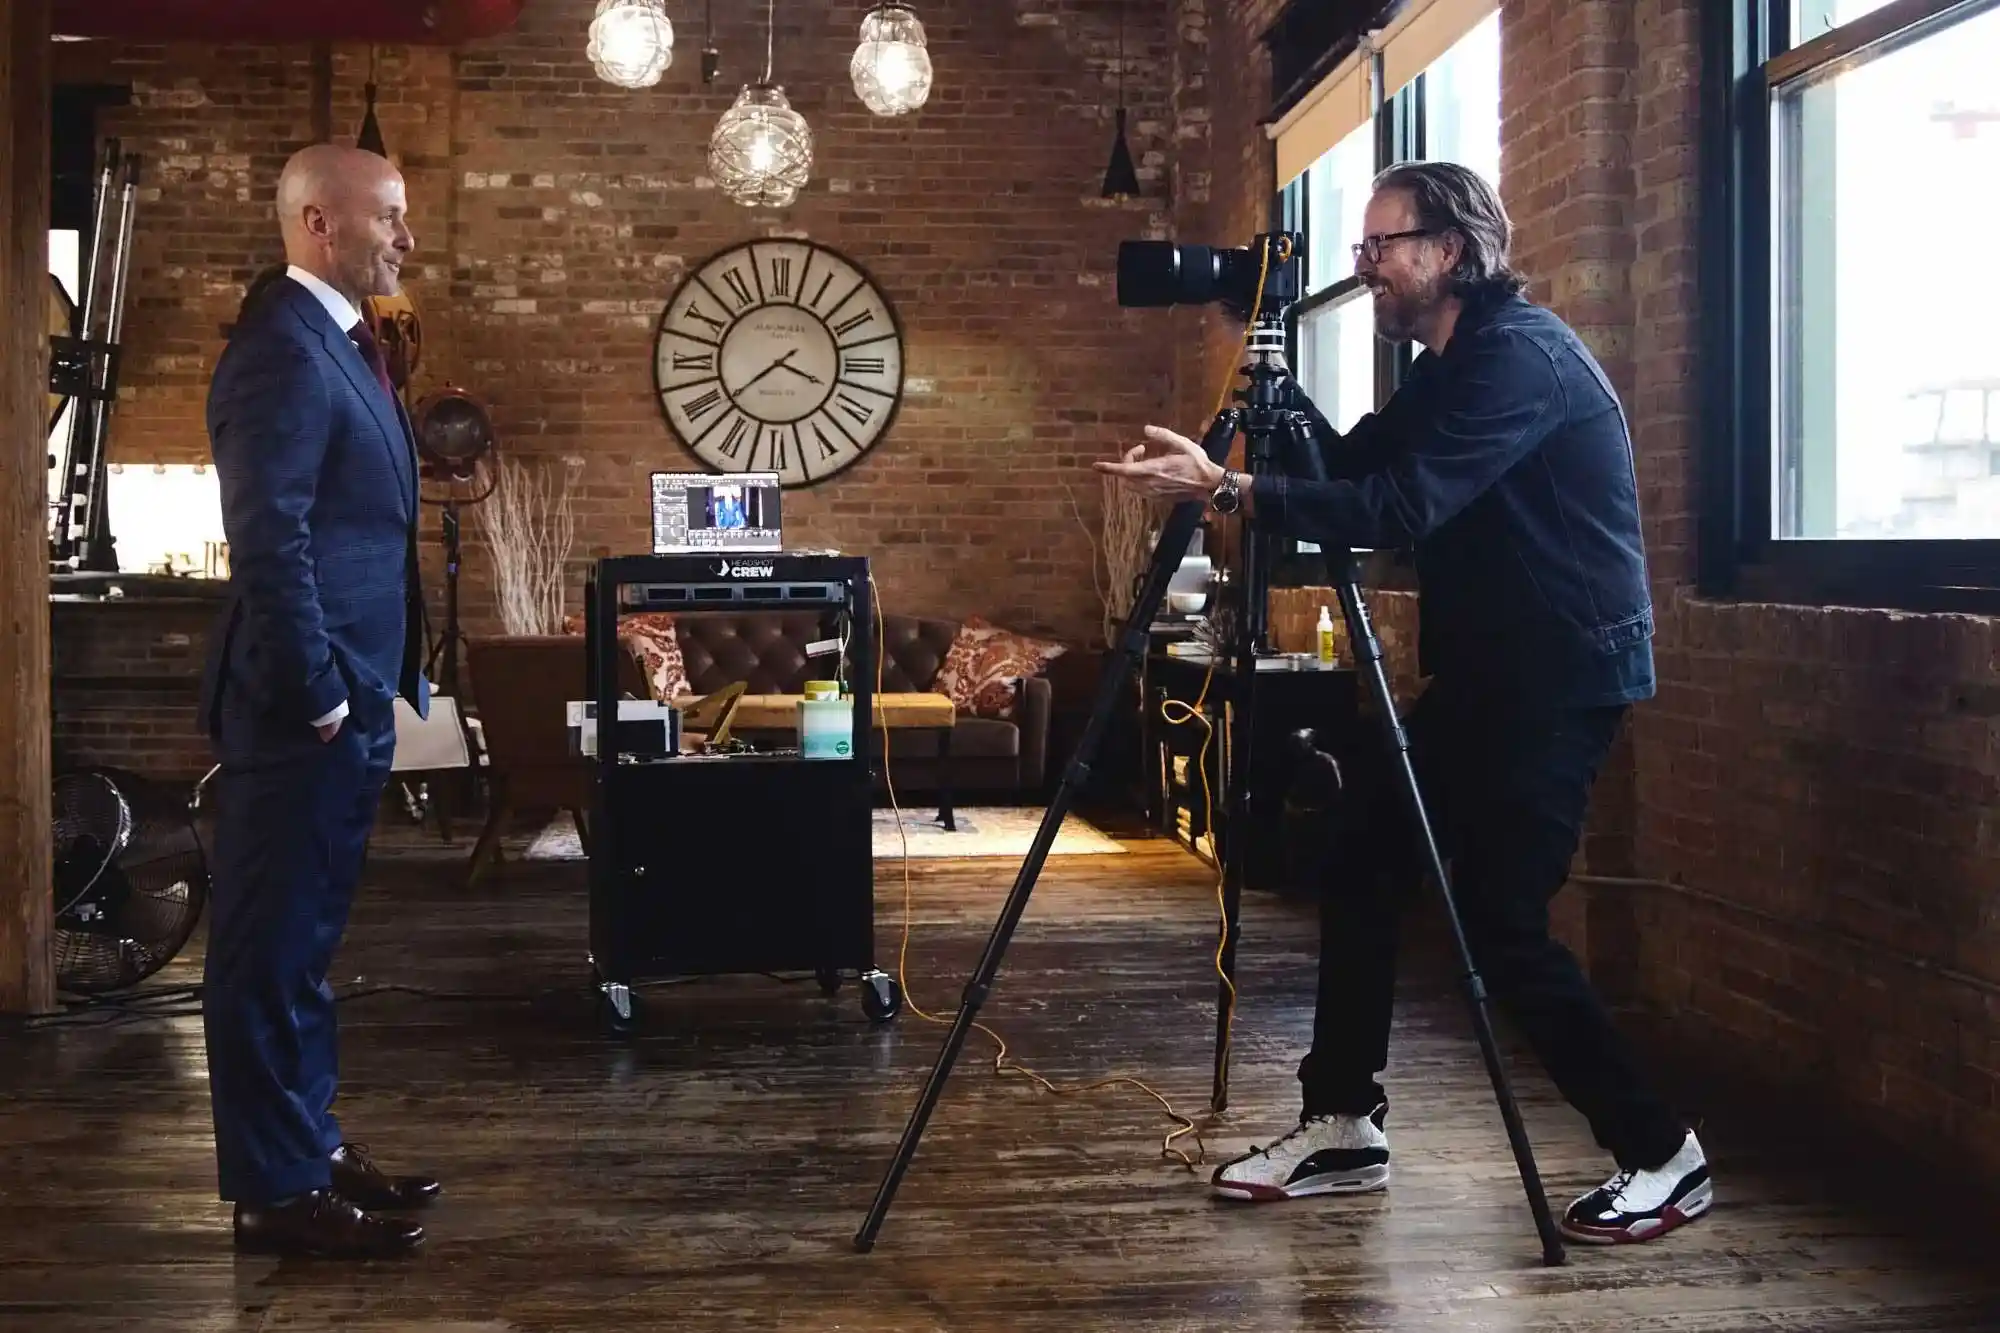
1507 789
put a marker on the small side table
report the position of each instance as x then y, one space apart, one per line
893 712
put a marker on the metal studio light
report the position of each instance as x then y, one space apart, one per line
761 152
892 66
631 42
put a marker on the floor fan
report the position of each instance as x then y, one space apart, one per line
130 879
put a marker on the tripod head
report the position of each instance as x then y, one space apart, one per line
1269 420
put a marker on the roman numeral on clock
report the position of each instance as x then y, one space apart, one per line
732 440
694 312
853 322
701 405
863 365
828 446
739 286
854 407
694 360
781 277
775 441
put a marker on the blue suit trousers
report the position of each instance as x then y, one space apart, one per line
291 838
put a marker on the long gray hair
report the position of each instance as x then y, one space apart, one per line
1449 197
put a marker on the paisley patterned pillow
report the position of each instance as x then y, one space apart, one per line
984 664
649 636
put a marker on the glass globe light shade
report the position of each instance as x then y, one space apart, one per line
631 42
761 152
892 66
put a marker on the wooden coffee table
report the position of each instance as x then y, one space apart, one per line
893 712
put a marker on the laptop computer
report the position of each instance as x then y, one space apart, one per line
729 513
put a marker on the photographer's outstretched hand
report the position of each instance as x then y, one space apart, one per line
1171 467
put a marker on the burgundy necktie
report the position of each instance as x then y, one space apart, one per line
371 352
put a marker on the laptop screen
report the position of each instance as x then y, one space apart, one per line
702 511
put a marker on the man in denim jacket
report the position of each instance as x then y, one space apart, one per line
1504 463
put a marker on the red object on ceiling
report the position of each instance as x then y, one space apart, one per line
418 22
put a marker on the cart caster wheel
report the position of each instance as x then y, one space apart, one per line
881 997
617 1010
829 980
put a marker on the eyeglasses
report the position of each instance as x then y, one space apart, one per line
1370 247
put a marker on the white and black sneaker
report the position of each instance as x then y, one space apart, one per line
1643 1205
1328 1154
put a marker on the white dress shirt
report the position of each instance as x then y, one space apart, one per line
345 316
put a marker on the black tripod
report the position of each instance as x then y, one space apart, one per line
1270 426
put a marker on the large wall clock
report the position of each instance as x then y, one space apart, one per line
779 356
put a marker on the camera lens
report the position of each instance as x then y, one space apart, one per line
1161 273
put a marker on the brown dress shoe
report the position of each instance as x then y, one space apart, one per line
323 1225
357 1178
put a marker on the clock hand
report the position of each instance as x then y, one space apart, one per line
762 373
805 375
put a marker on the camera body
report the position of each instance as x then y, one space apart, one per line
1167 273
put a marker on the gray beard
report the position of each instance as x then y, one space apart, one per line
1396 314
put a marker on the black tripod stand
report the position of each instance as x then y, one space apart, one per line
1272 431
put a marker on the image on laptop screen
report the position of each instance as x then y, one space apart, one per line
701 511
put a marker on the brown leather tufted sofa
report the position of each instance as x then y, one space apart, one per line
766 650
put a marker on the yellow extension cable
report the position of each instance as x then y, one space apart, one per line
1175 713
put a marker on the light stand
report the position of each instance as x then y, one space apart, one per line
1274 433
447 646
85 367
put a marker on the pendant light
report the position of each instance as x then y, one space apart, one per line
370 137
631 42
1121 179
761 152
711 59
891 68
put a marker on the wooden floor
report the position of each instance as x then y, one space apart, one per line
712 1174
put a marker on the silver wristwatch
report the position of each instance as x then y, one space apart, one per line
1227 498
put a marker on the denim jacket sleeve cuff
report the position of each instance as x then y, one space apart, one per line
1267 499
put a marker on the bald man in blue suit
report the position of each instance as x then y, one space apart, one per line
323 628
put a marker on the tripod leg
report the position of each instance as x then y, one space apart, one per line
1235 860
1111 686
1368 659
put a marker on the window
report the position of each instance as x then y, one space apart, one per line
1336 189
64 267
1851 384
1336 358
1333 350
1462 102
1449 110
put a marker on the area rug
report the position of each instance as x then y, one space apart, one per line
982 831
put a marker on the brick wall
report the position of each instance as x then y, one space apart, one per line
555 214
127 679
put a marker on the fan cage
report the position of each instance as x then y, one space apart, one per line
127 900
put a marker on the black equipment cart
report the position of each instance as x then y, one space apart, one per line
760 861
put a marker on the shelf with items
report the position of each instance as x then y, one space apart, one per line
1283 701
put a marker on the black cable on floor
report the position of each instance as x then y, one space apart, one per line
114 1008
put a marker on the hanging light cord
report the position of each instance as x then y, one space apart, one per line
1121 60
770 36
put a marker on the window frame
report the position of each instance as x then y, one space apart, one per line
1747 58
1399 131
1397 123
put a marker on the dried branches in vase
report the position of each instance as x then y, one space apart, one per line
529 528
1120 549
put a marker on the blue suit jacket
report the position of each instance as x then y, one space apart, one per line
319 505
